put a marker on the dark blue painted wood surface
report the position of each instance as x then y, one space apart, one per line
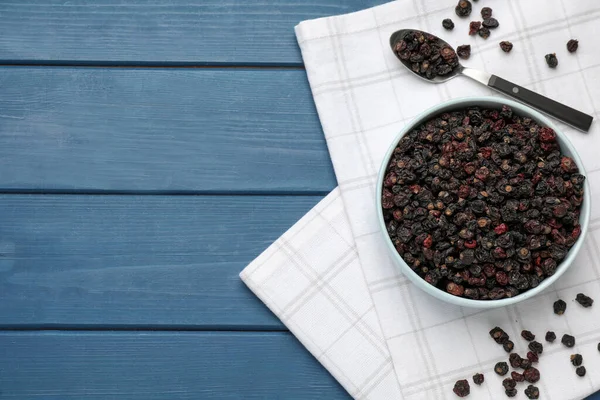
137 261
159 32
161 130
160 365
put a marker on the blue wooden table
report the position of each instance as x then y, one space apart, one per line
149 150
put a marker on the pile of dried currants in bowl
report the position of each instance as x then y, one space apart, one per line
481 203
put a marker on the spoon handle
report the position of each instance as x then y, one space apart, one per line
568 115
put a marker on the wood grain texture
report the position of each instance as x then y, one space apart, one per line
158 32
137 261
155 365
160 130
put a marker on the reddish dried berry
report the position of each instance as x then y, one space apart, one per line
462 388
478 379
486 12
531 375
506 46
533 357
474 27
464 51
527 335
470 244
500 229
572 45
515 360
517 376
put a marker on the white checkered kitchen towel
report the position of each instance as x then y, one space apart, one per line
329 277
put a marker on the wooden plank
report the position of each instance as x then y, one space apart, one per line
160 130
137 261
160 365
156 32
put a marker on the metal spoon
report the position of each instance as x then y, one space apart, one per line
566 114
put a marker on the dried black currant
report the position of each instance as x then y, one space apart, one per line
464 52
515 360
572 45
501 368
517 376
533 356
509 383
490 23
536 347
527 335
474 27
532 392
580 371
478 379
551 60
584 300
531 375
576 359
429 57
484 32
506 46
560 307
550 336
508 346
486 13
463 8
568 340
448 24
510 392
462 388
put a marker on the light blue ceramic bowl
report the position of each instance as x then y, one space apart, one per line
566 148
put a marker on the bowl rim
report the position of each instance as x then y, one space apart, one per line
522 109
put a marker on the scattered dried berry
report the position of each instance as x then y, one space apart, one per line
486 13
551 60
550 336
484 32
473 164
533 356
499 335
531 375
532 392
501 368
584 300
536 347
511 392
515 360
506 46
464 52
598 346
508 346
509 383
560 307
429 57
525 363
517 376
462 388
572 45
527 335
576 359
580 371
474 27
478 379
463 8
568 340
490 23
448 24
